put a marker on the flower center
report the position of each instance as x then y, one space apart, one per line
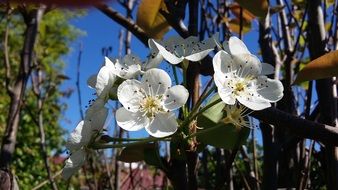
151 106
235 116
239 86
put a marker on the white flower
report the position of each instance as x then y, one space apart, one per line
125 68
94 121
154 58
236 47
74 163
239 77
176 49
149 104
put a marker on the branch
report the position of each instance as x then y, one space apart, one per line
127 23
298 126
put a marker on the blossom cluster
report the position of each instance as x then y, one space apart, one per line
149 100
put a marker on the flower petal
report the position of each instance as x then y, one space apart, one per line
175 97
102 80
129 94
271 90
98 120
237 47
131 121
170 57
97 105
226 95
79 137
129 67
91 82
223 62
267 69
155 58
164 124
73 163
156 82
247 65
198 50
254 102
226 46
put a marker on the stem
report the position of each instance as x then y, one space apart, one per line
104 146
205 131
190 118
202 98
175 74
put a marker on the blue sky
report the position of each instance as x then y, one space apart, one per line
102 32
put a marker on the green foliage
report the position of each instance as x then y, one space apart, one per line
53 41
226 136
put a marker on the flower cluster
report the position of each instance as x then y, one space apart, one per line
149 100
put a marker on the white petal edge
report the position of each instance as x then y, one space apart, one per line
129 95
254 102
155 82
269 89
237 47
73 163
175 97
79 137
267 69
131 121
91 82
171 58
163 125
223 62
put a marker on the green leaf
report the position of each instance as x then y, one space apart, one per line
226 136
152 156
132 153
325 66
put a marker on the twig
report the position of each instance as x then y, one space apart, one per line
298 126
46 181
127 23
78 81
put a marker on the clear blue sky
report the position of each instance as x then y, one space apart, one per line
101 32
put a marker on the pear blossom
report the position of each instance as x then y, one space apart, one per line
240 78
236 47
176 49
154 58
125 68
150 103
74 163
81 136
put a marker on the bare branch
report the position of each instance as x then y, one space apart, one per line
127 23
298 126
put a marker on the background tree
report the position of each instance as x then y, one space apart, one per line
37 135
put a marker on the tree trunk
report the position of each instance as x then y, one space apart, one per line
9 139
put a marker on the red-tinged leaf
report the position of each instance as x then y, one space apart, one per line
63 3
236 10
234 25
151 20
325 66
257 7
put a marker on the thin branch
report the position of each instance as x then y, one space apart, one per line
6 58
127 23
78 81
298 126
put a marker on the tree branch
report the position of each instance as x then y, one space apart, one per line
127 23
298 126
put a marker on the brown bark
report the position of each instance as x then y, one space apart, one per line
324 87
32 19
